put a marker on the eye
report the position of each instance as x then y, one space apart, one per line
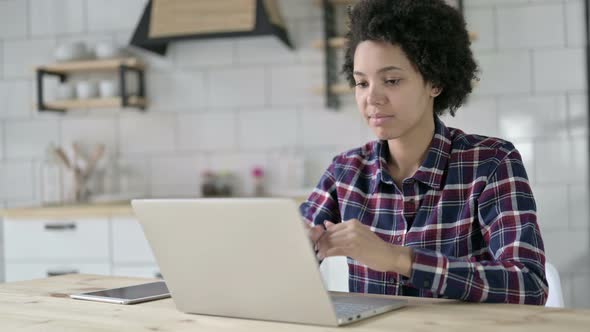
393 82
361 84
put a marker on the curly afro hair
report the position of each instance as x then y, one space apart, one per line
431 33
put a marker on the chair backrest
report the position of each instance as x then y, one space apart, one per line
555 298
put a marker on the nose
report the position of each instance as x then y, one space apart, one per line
375 95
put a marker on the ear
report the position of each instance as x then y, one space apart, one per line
436 91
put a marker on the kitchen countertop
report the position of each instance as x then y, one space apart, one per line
89 210
44 305
85 210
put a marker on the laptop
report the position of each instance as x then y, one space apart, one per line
245 258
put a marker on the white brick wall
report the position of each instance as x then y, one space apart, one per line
526 26
112 15
15 99
56 17
268 129
16 180
28 139
21 56
13 19
211 131
143 135
237 87
231 104
533 64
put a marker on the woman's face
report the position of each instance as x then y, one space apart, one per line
390 93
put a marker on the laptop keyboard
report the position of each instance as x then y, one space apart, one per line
353 306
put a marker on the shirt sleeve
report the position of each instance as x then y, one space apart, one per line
508 220
322 203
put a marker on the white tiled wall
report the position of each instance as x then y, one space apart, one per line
237 87
504 72
112 15
196 129
20 56
526 26
532 55
48 18
15 99
231 104
564 77
13 19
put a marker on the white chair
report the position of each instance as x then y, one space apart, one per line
555 298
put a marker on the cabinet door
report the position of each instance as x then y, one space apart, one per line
130 244
28 271
83 240
148 271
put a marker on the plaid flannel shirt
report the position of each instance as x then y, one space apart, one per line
468 213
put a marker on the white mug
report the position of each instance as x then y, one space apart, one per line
71 51
65 91
108 88
86 89
106 50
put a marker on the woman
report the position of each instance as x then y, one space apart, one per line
425 210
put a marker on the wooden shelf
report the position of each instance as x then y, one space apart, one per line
116 102
92 65
336 42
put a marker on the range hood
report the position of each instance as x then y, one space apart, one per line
164 21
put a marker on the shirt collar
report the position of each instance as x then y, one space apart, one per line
431 171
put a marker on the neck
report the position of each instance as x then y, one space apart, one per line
409 151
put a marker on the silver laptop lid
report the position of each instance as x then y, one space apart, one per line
245 258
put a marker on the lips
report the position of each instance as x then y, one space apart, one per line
380 119
380 116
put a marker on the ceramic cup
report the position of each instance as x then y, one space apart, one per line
86 89
106 50
71 51
65 91
108 88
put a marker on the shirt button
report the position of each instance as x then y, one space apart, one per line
392 280
398 239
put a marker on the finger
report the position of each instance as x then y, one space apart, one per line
315 233
328 224
335 251
337 229
328 241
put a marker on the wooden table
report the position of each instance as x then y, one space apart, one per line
44 305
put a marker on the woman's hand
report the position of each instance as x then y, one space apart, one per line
357 241
314 233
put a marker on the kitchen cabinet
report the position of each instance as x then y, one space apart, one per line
38 248
101 239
